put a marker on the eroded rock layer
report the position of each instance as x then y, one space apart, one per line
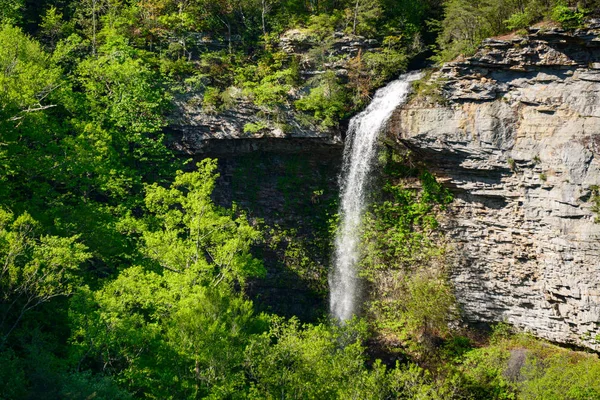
515 132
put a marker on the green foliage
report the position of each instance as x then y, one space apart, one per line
211 101
27 77
481 374
251 127
53 27
385 65
122 92
363 18
518 366
184 308
467 22
269 83
595 199
109 294
283 360
84 385
322 25
405 220
187 231
271 92
561 376
429 89
299 257
35 268
327 362
326 101
519 20
164 335
13 384
410 297
568 17
463 28
11 11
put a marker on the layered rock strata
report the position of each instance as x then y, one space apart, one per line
514 131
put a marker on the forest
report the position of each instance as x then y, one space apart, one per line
121 277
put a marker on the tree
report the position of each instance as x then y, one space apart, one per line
187 231
11 11
35 268
295 361
52 26
176 327
365 14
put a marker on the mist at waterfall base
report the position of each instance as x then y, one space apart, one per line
360 153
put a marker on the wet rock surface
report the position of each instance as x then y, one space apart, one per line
516 138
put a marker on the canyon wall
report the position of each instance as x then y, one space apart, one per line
514 131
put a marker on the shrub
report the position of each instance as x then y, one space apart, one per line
519 20
327 101
255 127
568 17
212 99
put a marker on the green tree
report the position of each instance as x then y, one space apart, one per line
326 100
187 231
52 26
34 270
296 361
11 11
176 328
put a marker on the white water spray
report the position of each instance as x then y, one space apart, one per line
359 154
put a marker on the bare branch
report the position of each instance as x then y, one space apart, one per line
30 110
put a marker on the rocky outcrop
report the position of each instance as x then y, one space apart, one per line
514 131
336 50
235 127
196 131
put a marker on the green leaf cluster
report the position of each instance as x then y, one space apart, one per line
467 22
410 298
327 101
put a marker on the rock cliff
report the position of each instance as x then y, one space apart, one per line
514 131
195 129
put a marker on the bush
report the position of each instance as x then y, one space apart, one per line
561 377
327 101
568 17
212 99
519 20
255 127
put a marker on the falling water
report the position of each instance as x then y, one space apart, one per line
359 153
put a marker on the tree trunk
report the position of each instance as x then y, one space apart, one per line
94 27
263 15
355 17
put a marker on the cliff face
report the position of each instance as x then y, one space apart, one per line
515 133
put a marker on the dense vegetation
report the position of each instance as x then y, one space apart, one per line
120 277
467 22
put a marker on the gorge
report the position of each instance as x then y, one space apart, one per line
513 133
244 199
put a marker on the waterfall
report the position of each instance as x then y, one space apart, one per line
359 153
